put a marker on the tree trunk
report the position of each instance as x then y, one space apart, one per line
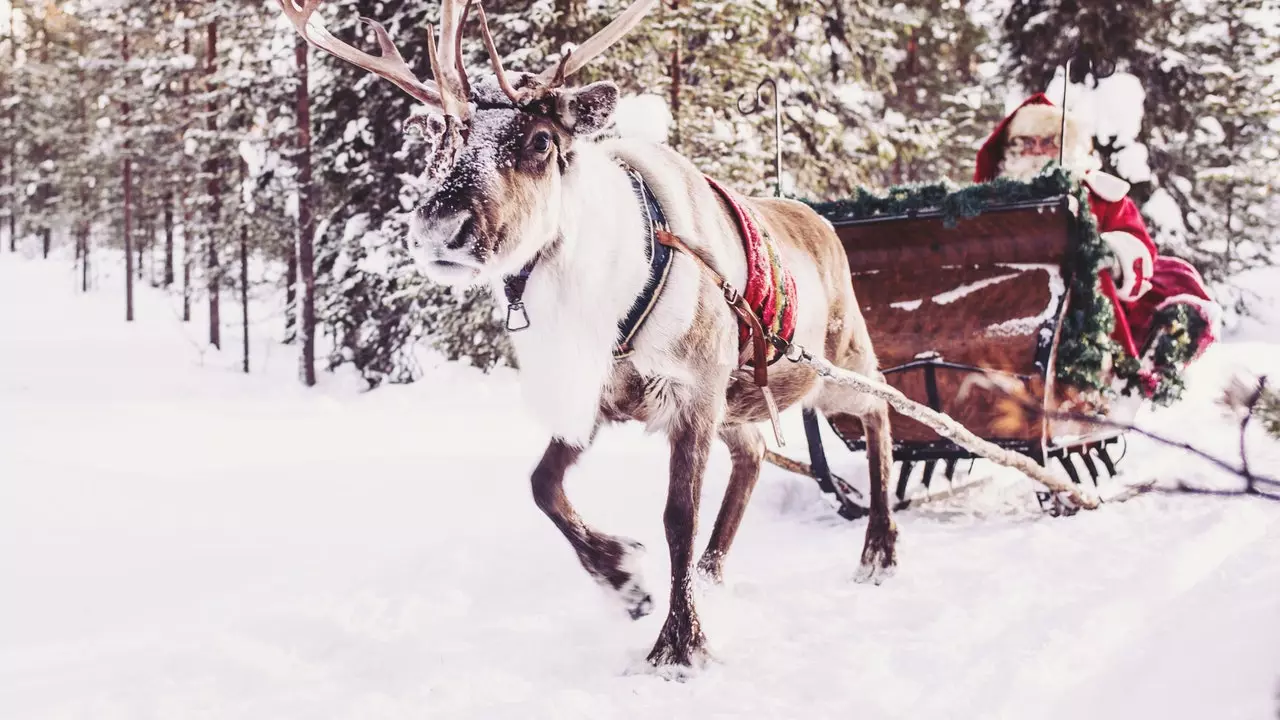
244 289
82 224
306 220
168 240
182 195
13 146
84 257
141 245
46 239
676 77
215 205
291 294
128 198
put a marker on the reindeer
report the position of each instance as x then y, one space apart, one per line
521 194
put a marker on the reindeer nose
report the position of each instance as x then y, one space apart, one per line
458 230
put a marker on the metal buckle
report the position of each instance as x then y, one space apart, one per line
730 294
795 352
511 310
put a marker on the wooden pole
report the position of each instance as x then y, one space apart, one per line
948 428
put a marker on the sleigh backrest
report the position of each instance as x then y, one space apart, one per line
984 292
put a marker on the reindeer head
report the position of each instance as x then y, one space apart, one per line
497 152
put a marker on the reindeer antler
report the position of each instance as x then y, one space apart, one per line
447 94
450 91
598 43
496 61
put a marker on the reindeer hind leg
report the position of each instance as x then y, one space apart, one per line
746 449
879 552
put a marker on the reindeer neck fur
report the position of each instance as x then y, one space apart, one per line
584 283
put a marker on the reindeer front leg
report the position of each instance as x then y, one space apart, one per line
681 641
607 558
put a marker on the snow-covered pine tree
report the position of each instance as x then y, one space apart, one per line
943 100
1207 71
1230 155
11 100
42 149
372 301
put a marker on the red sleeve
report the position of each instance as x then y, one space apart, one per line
1121 215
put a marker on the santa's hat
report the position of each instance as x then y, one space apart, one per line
1037 116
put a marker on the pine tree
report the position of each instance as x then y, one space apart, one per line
1209 104
941 105
1230 155
371 298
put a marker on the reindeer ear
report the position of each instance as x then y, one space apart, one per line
588 110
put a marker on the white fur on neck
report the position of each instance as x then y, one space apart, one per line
576 296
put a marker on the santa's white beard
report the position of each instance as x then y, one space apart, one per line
1024 167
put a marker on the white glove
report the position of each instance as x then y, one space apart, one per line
1133 267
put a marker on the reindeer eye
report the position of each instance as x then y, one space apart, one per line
541 142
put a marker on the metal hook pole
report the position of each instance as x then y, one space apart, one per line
757 106
1062 131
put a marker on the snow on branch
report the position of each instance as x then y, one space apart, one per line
950 429
1242 399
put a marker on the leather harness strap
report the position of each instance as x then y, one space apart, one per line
759 341
757 355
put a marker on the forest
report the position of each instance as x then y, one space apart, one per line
209 148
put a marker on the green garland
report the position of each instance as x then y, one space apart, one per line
953 202
1085 346
1177 331
1084 342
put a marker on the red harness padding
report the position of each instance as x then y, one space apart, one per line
771 288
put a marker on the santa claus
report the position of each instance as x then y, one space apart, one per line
1140 283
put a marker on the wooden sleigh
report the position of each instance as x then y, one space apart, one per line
986 295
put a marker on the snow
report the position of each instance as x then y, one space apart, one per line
1022 326
181 540
645 117
951 296
1112 111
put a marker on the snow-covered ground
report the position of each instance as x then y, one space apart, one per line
178 540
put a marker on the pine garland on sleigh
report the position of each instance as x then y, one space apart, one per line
1086 350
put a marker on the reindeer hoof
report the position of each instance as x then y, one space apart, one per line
875 573
624 579
879 557
711 568
675 659
638 602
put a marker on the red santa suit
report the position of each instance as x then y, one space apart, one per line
1147 282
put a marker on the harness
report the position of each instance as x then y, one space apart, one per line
770 292
658 255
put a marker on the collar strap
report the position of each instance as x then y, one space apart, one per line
513 288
